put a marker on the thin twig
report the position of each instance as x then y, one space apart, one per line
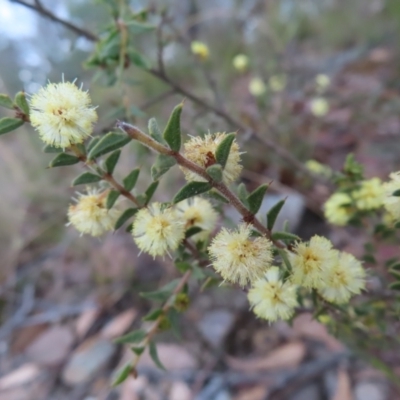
38 7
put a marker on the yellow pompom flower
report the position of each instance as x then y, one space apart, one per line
323 81
318 168
90 215
240 62
390 202
277 83
198 212
271 298
310 260
200 49
157 230
338 209
62 114
346 277
238 257
319 106
201 151
370 195
257 87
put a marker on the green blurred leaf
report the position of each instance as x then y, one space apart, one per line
191 189
215 171
396 193
256 198
111 161
130 180
173 317
92 143
162 164
172 132
127 214
153 315
154 355
138 59
86 177
138 350
6 102
395 286
150 191
136 28
20 101
63 159
243 194
112 198
132 337
122 374
110 142
223 149
284 236
8 124
163 293
214 194
155 131
51 149
193 230
273 213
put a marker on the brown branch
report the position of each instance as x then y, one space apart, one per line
137 134
38 7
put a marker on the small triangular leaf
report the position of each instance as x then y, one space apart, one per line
395 286
112 198
223 149
193 230
20 101
273 213
243 194
122 374
154 355
138 350
215 171
256 198
155 131
6 102
51 149
131 179
162 164
284 236
127 214
8 124
191 189
110 142
63 159
153 315
163 293
172 132
86 177
396 193
150 191
132 337
111 161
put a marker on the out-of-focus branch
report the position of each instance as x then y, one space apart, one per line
40 9
277 149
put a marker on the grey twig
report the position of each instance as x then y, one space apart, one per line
38 7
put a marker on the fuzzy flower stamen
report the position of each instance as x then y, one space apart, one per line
201 151
90 215
62 114
157 230
271 298
310 260
238 257
198 212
